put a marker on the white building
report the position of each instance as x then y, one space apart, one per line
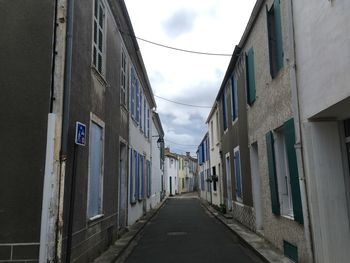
321 89
156 183
171 173
141 104
214 155
204 173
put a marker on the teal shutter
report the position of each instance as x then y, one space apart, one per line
272 173
251 91
289 135
278 28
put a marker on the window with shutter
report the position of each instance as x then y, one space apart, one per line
250 73
274 25
272 173
234 99
289 135
238 178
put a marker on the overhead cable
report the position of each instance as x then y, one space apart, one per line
178 49
194 145
184 104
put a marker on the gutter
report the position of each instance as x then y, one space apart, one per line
65 130
298 133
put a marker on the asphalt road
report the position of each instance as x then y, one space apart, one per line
182 232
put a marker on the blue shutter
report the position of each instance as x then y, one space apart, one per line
144 116
234 101
141 125
131 177
142 180
137 101
132 93
137 175
224 109
149 176
238 175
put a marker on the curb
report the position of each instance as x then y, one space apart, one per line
256 243
114 252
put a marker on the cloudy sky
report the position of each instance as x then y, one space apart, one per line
213 26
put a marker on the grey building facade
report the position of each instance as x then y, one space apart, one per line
61 200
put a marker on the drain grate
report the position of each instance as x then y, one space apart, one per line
177 233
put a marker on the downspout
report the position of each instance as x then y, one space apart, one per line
298 134
65 124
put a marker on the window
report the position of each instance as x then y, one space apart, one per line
238 178
202 181
275 38
347 137
283 172
224 109
215 179
132 93
144 115
149 178
148 123
123 79
132 176
228 181
141 177
137 99
211 134
250 71
95 197
141 109
234 99
217 127
99 36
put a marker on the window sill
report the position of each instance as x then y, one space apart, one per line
239 202
235 121
99 76
290 217
95 218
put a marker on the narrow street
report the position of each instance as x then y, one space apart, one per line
183 231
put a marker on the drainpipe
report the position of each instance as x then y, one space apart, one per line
65 127
298 134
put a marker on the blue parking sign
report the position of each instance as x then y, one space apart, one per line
80 133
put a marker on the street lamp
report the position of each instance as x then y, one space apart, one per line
159 141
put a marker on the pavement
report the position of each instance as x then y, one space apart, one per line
180 230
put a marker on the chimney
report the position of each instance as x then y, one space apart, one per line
188 154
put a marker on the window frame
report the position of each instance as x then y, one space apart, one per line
98 122
124 78
282 174
235 161
95 20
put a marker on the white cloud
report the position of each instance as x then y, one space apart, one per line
200 25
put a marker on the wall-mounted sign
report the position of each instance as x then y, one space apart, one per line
80 133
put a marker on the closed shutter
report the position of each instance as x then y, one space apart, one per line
132 95
272 173
278 28
131 177
289 135
137 174
224 109
142 181
251 91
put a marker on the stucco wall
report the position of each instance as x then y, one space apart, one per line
273 106
322 53
214 153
